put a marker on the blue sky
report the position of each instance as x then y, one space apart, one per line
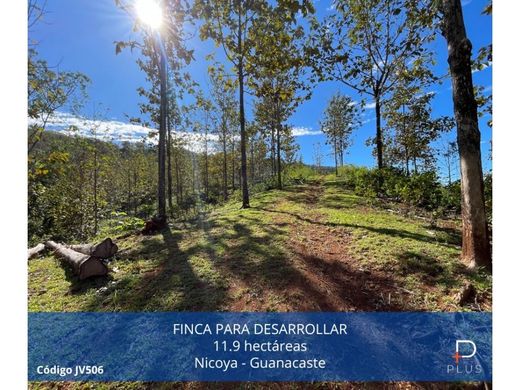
79 35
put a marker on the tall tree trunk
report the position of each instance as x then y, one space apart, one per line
379 144
341 151
134 198
233 186
252 161
80 198
206 165
407 160
194 184
239 176
278 157
225 173
95 188
449 171
243 154
335 155
406 152
161 187
129 193
178 181
169 157
379 134
273 149
475 236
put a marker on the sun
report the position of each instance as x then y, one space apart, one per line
150 13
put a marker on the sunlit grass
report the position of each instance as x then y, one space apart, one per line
232 255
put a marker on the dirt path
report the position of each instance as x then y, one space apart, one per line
326 277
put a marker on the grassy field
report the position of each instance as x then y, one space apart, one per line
308 247
313 247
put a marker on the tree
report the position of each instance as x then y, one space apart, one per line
340 120
232 25
159 50
475 236
228 24
223 93
483 60
409 114
317 156
277 75
206 108
449 154
174 120
48 91
369 45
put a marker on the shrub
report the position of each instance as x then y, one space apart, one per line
450 199
120 222
363 181
419 189
394 182
423 190
298 174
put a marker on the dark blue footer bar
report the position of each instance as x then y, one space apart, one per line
260 346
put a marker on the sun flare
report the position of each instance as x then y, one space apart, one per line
150 13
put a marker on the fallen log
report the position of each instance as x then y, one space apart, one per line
33 252
103 250
83 265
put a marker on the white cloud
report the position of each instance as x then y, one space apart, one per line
299 131
370 105
117 131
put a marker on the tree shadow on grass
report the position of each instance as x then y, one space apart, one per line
342 286
249 250
430 270
171 284
340 202
400 233
451 235
297 281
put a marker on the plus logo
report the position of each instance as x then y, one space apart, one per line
464 349
458 355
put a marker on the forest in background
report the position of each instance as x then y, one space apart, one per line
82 192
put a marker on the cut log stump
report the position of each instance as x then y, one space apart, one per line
103 250
33 252
84 265
154 225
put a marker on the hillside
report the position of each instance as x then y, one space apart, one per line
311 247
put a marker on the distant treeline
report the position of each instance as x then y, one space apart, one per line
77 184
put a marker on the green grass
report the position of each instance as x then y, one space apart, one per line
418 253
233 259
187 267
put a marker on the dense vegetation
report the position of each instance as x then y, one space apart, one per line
78 189
77 186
